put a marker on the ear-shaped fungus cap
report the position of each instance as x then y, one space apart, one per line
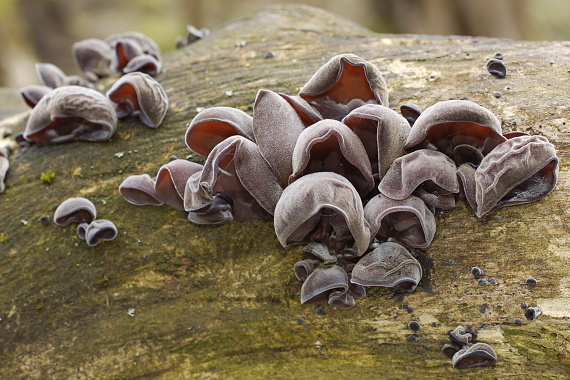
235 176
322 207
33 93
330 146
473 356
139 190
171 179
308 114
93 57
383 133
144 63
344 83
139 94
75 210
213 125
276 127
129 45
100 229
4 166
328 284
432 170
50 74
456 123
409 221
521 170
71 113
390 264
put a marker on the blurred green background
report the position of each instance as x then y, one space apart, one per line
44 30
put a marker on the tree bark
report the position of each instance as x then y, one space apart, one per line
168 299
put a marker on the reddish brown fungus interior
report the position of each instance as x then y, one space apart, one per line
534 187
366 130
446 136
203 137
352 84
70 128
126 98
402 225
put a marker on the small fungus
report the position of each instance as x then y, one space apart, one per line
93 57
100 229
531 281
139 190
128 45
139 94
4 166
532 313
497 67
75 210
170 182
32 94
414 325
477 272
474 355
410 112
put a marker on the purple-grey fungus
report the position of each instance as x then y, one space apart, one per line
235 175
128 45
93 57
82 230
71 113
520 170
531 281
330 146
276 127
327 284
322 207
139 190
461 129
32 94
383 134
344 83
414 325
450 348
461 335
482 282
410 112
524 305
145 64
53 77
4 166
170 182
473 356
213 125
100 229
139 94
426 170
304 268
477 272
409 221
75 210
412 338
498 56
532 313
390 265
308 114
193 34
45 220
497 67
318 251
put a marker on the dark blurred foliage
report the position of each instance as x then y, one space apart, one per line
44 30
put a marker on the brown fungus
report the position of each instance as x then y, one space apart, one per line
53 77
409 221
429 174
170 182
452 123
139 190
390 265
410 112
100 229
382 132
308 114
93 57
322 207
327 284
344 83
75 210
139 94
304 268
71 113
144 63
32 94
521 170
129 45
237 178
330 146
473 356
276 127
213 125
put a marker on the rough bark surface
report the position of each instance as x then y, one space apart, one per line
223 302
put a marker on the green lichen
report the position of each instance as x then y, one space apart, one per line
47 177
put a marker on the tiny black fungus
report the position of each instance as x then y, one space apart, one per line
412 338
477 272
300 321
448 262
492 280
531 281
414 325
399 297
482 282
497 95
524 305
497 68
498 56
433 324
45 219
531 313
517 321
410 309
482 310
269 54
321 310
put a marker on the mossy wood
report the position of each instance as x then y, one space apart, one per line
168 299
